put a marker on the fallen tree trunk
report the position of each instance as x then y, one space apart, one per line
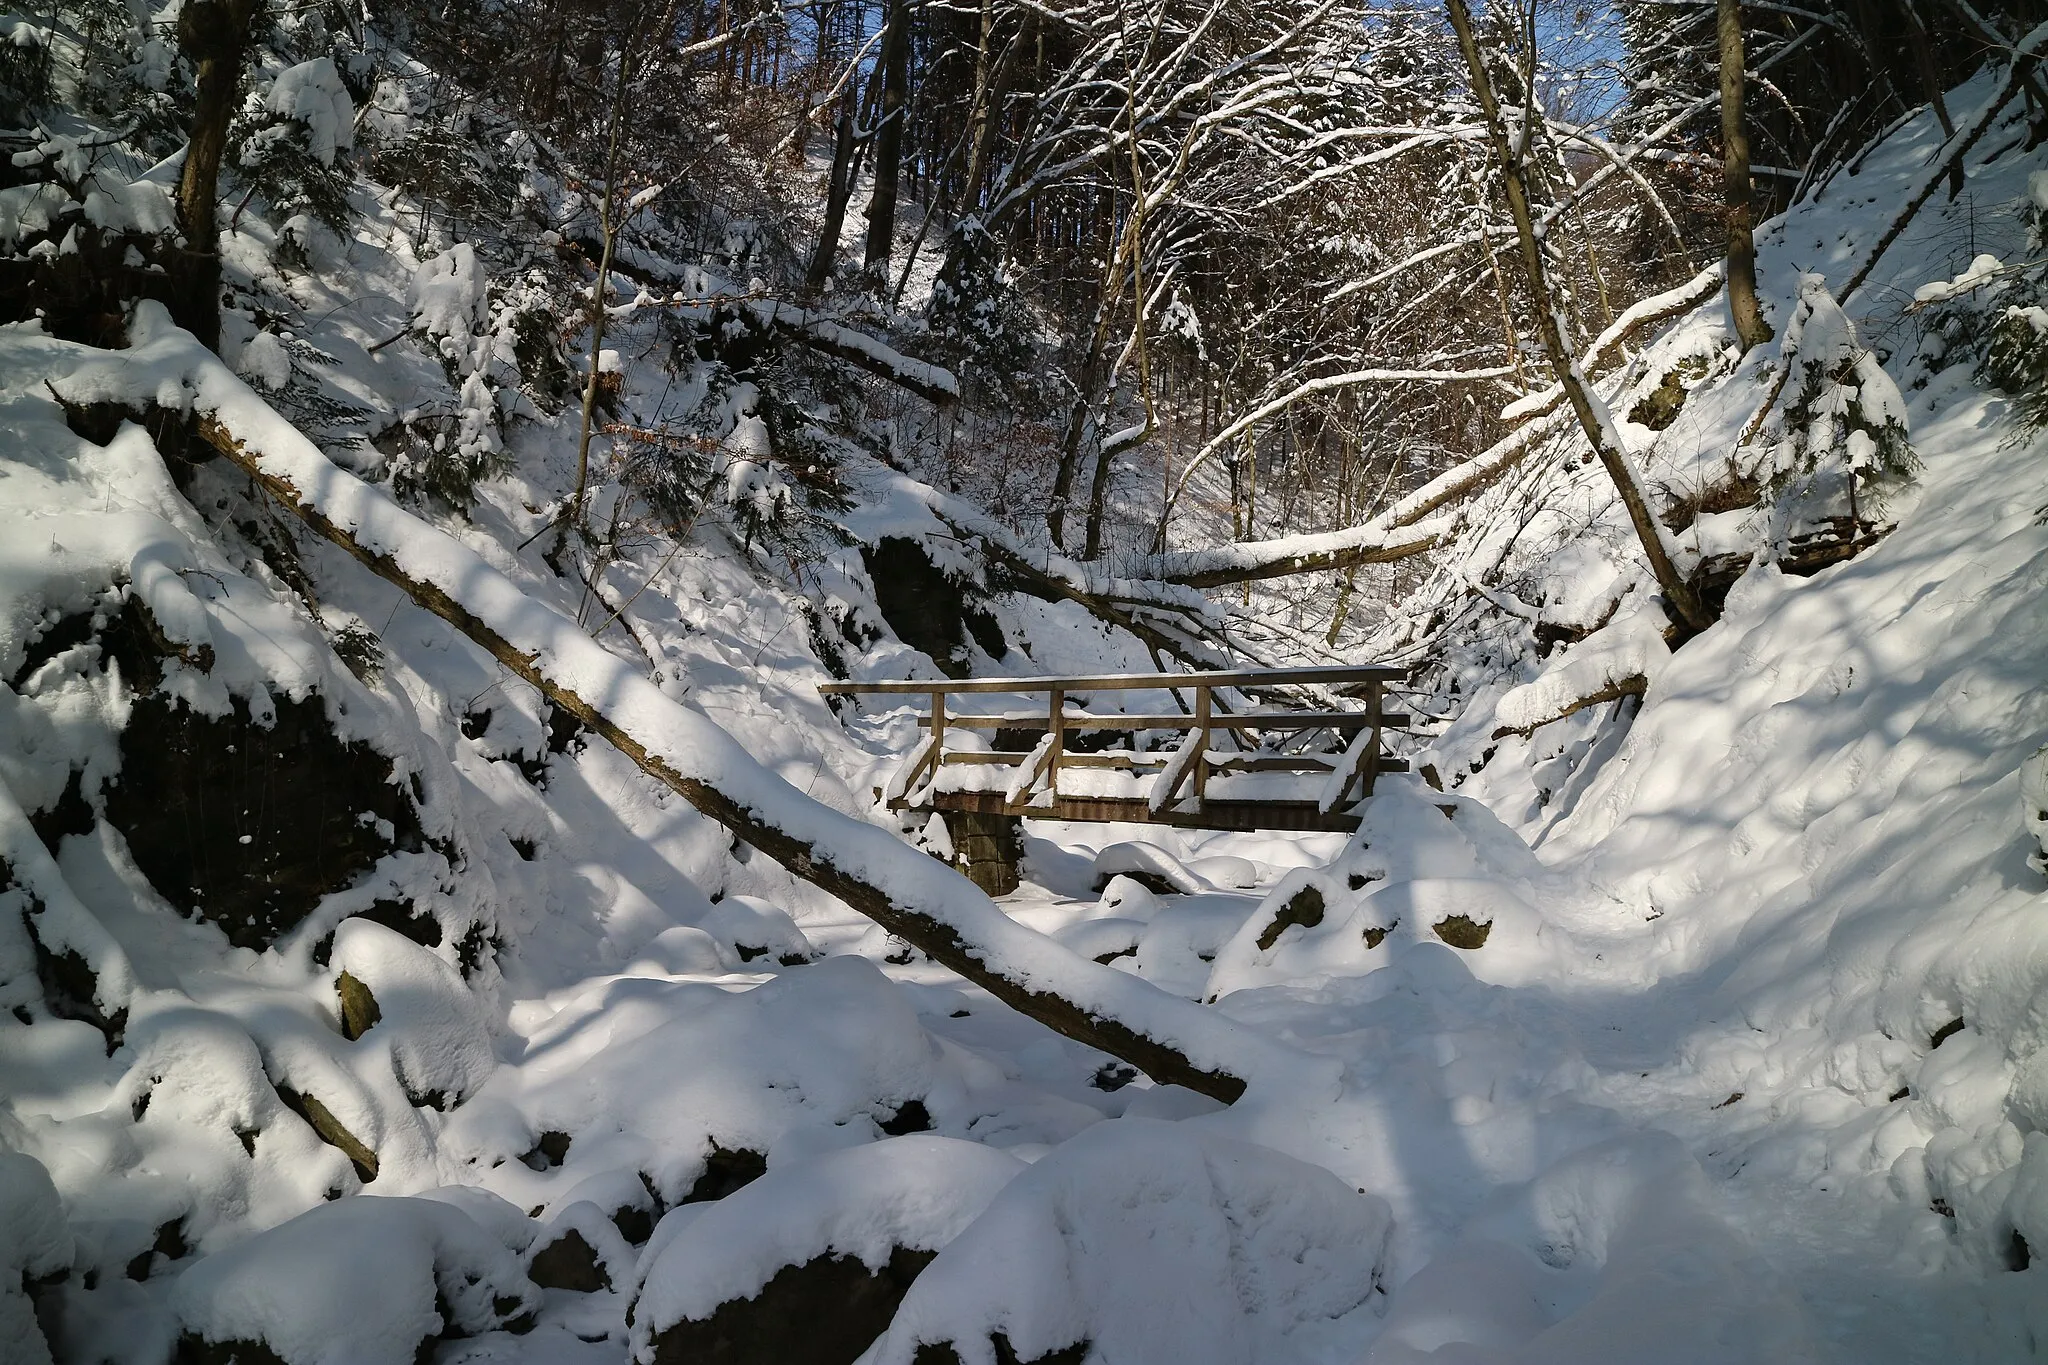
913 896
1382 540
1635 685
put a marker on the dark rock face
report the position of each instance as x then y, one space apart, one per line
928 610
726 1171
197 1350
945 1353
824 1312
246 826
910 1117
568 1262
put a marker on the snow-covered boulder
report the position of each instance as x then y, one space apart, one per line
697 1087
757 931
36 1244
362 1281
416 1006
807 1265
1147 864
2034 804
1150 1241
581 1250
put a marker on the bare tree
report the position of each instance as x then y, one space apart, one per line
1591 410
1750 327
214 36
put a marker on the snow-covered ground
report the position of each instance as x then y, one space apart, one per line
1707 1031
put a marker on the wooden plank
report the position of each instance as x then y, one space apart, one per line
1112 682
1056 719
938 729
1278 763
1242 720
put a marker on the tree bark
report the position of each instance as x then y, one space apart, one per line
895 62
837 195
1587 405
1750 328
213 35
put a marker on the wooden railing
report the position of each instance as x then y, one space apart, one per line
1179 792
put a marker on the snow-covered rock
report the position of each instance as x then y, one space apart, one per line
757 1262
357 1282
435 1030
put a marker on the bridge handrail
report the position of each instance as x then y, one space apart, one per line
1189 766
1128 682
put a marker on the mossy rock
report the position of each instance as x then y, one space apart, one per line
359 1009
1304 907
332 1131
1462 931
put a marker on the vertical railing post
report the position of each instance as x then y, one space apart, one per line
1056 723
1372 753
938 733
1202 717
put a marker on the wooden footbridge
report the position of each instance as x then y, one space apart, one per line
1241 762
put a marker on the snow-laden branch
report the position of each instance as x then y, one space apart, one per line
1310 388
927 381
1647 312
1373 543
911 895
1405 529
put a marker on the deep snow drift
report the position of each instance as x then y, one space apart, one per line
1709 1029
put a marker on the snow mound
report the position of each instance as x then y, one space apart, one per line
1611 1254
918 1192
650 1075
312 93
1152 1241
358 1282
1424 867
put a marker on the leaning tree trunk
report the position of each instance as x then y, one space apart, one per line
1750 328
923 902
213 35
895 62
1591 411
